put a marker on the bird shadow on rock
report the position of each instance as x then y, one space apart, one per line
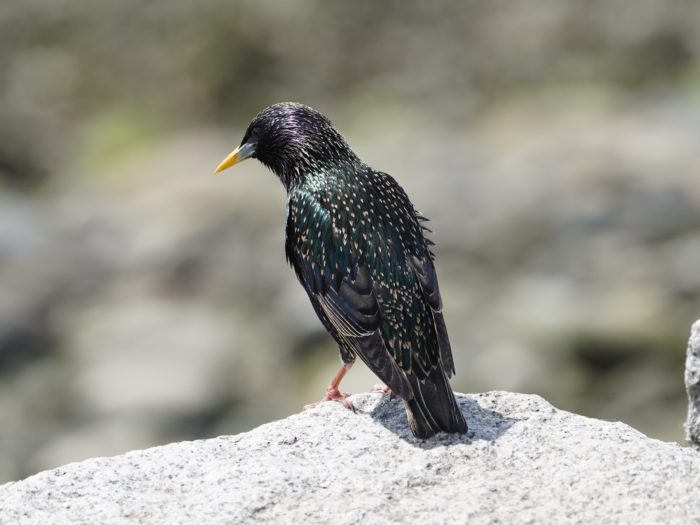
484 424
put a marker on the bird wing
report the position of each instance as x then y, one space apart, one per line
424 270
339 284
430 344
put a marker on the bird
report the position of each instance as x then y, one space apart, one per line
359 248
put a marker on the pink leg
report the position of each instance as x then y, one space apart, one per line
384 390
333 392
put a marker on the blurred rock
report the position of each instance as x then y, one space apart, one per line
135 354
113 435
678 263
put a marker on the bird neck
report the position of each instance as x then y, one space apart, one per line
317 173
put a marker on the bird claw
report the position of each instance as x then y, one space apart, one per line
333 394
383 389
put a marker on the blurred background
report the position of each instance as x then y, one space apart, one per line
143 299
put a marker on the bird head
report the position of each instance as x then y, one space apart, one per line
292 140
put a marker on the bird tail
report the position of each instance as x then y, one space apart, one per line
433 407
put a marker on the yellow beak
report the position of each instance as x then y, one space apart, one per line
237 155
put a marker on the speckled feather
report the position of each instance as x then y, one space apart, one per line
358 247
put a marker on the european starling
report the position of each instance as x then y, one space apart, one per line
357 246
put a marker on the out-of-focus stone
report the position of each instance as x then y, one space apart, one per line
135 353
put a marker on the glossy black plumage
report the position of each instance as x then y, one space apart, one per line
357 246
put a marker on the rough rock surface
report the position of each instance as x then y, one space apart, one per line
692 385
523 461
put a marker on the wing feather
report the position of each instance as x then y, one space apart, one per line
424 269
345 297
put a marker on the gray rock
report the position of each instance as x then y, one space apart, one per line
692 385
523 461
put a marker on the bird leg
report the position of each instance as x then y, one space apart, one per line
333 392
384 390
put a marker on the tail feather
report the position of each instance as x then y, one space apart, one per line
433 407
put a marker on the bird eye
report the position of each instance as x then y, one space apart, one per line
250 136
254 135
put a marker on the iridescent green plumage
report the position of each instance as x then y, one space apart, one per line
357 246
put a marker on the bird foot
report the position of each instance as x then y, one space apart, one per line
384 390
333 394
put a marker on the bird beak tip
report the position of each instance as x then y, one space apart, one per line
229 161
